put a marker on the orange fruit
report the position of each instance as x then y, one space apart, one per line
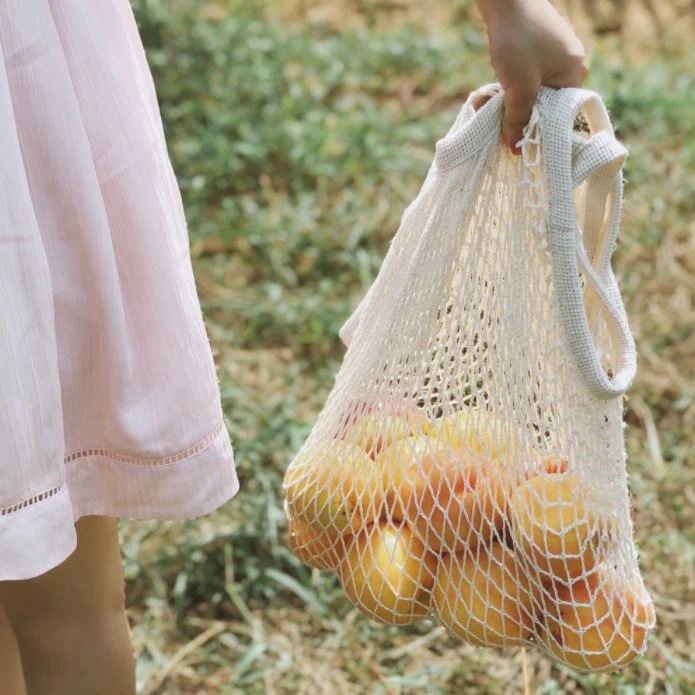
549 463
485 597
552 526
375 427
318 549
388 574
394 462
598 624
452 501
477 430
333 488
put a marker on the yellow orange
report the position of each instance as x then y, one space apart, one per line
476 430
598 625
394 463
485 597
378 427
549 463
318 549
388 574
553 527
333 488
453 501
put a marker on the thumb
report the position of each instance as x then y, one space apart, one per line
518 103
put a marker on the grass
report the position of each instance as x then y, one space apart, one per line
297 147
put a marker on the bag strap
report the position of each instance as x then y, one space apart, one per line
586 238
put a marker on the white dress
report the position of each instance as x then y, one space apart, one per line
109 400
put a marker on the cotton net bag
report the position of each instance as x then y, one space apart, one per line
469 463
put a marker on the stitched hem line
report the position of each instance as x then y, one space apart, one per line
31 500
173 458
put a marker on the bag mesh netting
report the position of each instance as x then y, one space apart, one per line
469 463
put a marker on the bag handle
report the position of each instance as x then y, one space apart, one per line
585 239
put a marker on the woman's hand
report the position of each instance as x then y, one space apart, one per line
530 45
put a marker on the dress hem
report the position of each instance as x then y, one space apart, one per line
38 537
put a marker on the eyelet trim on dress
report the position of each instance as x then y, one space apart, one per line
31 500
173 458
105 453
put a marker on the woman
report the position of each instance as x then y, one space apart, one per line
110 401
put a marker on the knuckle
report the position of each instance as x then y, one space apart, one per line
582 69
578 63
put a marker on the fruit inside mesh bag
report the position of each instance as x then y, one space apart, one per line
469 464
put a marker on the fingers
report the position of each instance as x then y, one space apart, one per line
518 104
572 76
519 100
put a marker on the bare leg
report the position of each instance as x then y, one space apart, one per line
70 623
11 675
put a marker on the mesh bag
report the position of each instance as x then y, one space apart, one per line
469 463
